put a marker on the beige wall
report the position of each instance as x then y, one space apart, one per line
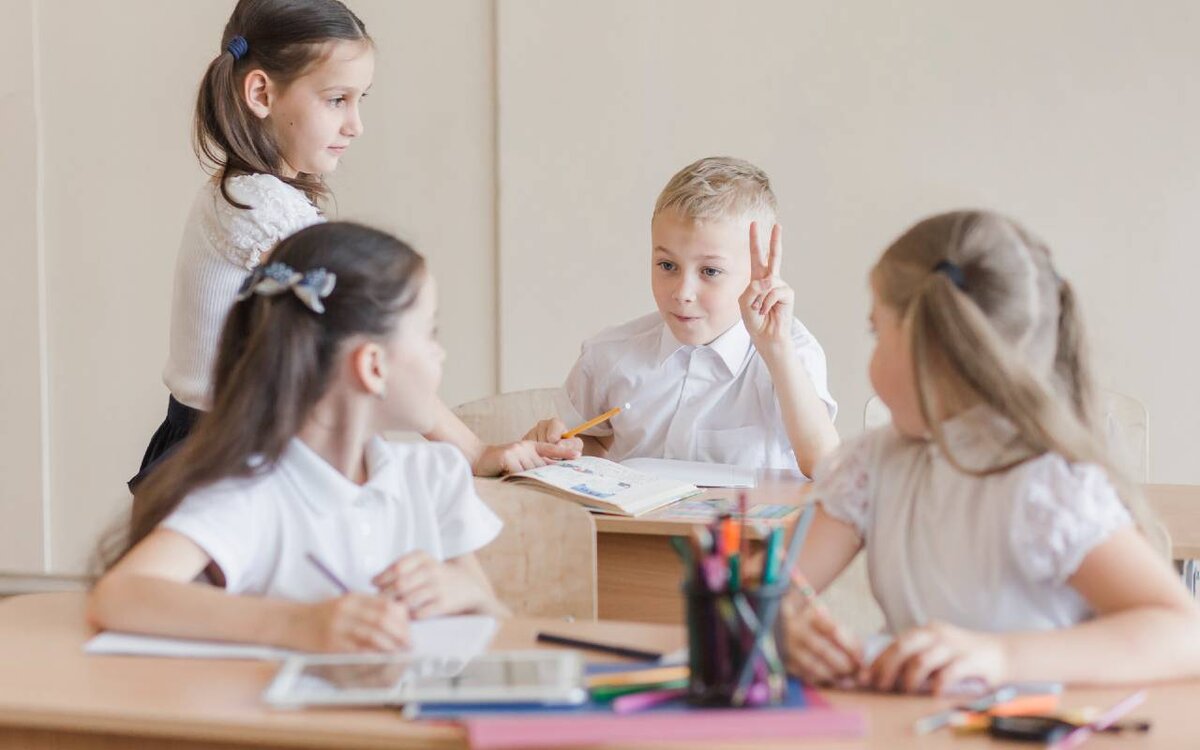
22 506
119 175
522 153
1080 120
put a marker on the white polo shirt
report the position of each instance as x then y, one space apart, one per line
696 403
418 496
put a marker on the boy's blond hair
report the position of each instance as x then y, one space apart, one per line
719 187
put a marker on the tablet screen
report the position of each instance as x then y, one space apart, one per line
366 679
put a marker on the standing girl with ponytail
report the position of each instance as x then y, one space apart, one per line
276 111
1002 545
330 344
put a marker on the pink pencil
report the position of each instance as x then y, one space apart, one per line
1106 719
628 704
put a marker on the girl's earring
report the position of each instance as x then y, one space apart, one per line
381 394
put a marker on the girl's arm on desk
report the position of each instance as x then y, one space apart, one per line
1141 609
151 591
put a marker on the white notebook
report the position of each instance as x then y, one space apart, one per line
465 637
699 473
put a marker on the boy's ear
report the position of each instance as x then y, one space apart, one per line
258 91
369 366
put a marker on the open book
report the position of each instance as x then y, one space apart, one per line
603 486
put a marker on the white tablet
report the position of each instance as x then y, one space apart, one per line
546 677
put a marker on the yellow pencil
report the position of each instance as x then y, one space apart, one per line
639 677
594 421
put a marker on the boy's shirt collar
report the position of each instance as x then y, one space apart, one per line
731 347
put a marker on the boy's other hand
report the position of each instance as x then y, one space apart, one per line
551 431
511 458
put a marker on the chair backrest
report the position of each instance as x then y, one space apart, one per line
543 564
1126 426
507 416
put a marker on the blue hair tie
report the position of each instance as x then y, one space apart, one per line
238 46
952 272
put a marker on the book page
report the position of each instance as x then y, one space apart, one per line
587 476
609 486
699 473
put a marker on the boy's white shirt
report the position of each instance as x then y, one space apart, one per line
713 403
418 496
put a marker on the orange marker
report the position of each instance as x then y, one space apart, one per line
1027 705
594 421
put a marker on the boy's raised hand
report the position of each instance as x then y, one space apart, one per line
768 301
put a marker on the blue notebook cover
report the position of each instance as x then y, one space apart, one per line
794 699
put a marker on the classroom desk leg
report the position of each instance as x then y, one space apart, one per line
639 577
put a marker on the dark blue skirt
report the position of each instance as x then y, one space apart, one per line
167 438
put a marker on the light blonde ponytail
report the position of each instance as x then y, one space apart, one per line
1003 330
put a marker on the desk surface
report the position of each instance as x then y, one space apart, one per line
1177 506
782 491
50 685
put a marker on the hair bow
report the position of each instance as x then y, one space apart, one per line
309 287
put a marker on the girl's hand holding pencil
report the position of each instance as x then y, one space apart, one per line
349 623
817 649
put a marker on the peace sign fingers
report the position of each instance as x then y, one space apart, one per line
774 257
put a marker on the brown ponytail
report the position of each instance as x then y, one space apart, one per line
283 38
276 361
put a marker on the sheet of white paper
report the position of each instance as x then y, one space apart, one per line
699 473
874 645
463 637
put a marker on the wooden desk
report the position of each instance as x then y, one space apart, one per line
639 573
54 696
